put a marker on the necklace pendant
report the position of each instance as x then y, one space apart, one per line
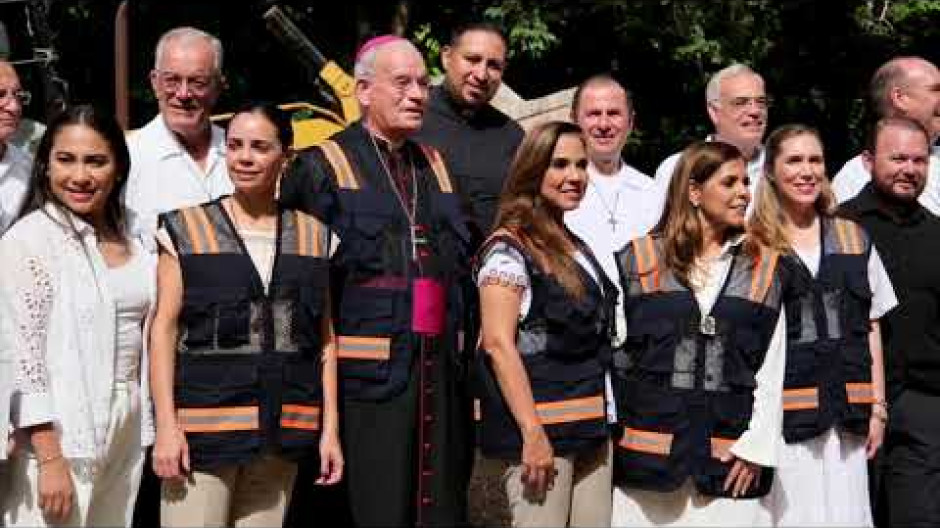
613 222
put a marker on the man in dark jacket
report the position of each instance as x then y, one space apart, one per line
477 140
906 235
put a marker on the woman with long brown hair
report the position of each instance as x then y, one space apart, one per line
834 389
546 328
698 380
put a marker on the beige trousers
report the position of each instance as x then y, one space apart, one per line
252 494
580 496
105 492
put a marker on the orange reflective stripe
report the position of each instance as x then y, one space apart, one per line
300 417
763 274
362 347
345 177
860 392
438 167
218 419
201 234
849 236
800 399
721 446
650 442
855 238
647 264
309 234
573 410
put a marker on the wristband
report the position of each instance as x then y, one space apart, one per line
49 458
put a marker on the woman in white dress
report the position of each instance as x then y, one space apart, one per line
74 296
834 388
698 380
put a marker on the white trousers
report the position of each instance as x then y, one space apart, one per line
684 507
104 497
822 481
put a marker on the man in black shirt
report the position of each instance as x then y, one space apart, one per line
477 141
907 237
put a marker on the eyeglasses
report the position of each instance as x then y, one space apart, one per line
22 96
171 82
740 104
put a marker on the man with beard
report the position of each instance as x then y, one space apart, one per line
398 274
737 105
902 87
477 140
904 232
178 158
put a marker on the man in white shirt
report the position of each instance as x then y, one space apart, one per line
902 87
737 105
15 163
178 158
620 202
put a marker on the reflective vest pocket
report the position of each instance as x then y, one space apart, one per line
651 442
364 357
303 417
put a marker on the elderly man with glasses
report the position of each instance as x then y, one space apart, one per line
737 105
178 158
15 164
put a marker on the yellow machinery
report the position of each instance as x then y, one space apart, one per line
312 124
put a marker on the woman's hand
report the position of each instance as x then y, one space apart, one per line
742 477
876 435
538 462
331 459
56 491
170 453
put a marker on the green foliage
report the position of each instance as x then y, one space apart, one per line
424 38
527 26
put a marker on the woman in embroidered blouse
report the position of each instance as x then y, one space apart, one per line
834 397
244 383
698 381
75 295
546 310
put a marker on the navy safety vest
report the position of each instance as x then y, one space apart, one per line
374 272
828 376
683 380
565 348
248 374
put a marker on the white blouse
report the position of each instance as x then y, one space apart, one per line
58 317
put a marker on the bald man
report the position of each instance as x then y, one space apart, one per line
902 87
398 275
15 164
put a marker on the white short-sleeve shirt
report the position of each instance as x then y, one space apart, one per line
164 177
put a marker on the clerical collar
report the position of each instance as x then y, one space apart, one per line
385 145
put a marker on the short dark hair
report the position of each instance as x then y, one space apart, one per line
40 188
466 27
893 121
279 118
599 79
